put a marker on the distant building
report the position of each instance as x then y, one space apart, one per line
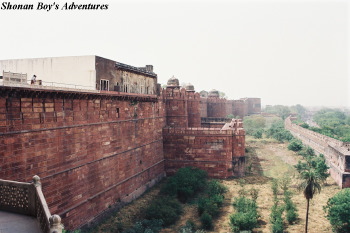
85 72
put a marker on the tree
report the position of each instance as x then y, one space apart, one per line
338 211
253 123
295 145
258 134
313 175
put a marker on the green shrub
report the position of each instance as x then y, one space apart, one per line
274 188
290 207
276 219
207 221
278 132
185 183
295 145
291 215
304 125
240 221
165 208
214 187
246 215
338 211
258 134
277 226
211 205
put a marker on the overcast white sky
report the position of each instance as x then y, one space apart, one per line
285 52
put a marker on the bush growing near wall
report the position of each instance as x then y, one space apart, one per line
185 183
246 215
276 218
295 145
214 187
166 208
207 221
306 151
258 134
209 205
278 132
338 211
254 123
291 209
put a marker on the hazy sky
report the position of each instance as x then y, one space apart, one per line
285 52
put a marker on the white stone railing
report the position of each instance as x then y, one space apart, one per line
28 199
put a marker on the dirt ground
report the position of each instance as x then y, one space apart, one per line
273 160
269 160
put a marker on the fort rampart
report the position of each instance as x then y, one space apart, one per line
92 151
337 153
219 152
97 151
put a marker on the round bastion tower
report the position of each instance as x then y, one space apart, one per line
216 105
193 107
176 104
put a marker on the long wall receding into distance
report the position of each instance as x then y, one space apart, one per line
97 149
337 153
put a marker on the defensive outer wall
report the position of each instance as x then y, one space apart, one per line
97 151
337 153
92 151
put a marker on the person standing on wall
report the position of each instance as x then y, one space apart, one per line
33 80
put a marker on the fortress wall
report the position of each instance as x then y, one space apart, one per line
204 107
229 107
215 151
91 152
193 109
240 108
337 153
176 107
216 107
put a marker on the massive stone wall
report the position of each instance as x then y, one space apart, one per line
176 107
216 107
193 110
219 152
337 153
92 151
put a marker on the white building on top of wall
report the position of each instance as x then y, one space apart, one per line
91 73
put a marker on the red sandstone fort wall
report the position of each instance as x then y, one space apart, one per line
193 109
175 107
216 107
90 151
204 107
219 152
240 108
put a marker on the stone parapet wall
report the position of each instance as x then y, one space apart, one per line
92 152
337 153
219 152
